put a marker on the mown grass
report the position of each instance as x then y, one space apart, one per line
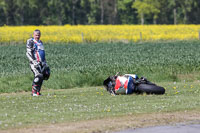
78 65
174 65
80 104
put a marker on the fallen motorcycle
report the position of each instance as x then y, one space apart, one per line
130 83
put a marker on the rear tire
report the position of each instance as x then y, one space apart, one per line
150 89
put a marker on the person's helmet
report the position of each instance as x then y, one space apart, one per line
46 73
109 84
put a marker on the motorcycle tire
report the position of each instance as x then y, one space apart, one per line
150 89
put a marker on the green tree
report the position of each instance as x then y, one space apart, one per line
93 12
126 14
147 8
186 6
8 7
20 12
59 12
193 14
2 12
36 12
55 14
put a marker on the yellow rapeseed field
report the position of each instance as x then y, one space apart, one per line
100 33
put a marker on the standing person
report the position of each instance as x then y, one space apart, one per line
36 55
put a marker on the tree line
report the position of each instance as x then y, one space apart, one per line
87 12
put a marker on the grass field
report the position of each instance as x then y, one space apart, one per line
81 104
83 67
78 65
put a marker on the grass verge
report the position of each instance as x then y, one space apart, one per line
81 104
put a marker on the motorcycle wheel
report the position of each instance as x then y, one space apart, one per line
150 89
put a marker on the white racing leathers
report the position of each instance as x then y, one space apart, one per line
36 55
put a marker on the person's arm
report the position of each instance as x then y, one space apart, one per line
30 50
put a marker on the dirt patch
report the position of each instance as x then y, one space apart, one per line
113 124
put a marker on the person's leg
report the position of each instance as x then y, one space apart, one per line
131 86
39 88
37 81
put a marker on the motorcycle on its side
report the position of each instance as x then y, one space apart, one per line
130 83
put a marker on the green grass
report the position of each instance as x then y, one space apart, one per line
79 65
71 105
173 65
